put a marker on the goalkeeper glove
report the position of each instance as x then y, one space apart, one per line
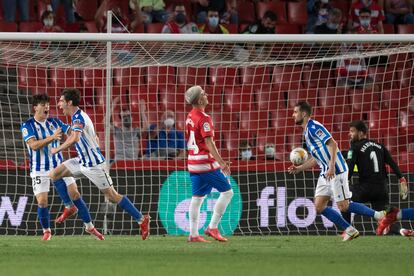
403 188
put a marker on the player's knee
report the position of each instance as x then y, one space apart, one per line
52 176
74 195
343 206
113 196
319 208
42 203
229 193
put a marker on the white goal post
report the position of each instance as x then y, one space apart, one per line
252 81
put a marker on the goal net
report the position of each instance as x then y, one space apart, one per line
252 83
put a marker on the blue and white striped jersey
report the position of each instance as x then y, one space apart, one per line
88 149
41 162
316 136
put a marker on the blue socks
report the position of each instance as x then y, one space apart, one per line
127 205
44 217
360 209
82 210
335 217
407 213
62 190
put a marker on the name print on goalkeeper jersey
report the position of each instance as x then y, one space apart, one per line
41 161
371 157
88 149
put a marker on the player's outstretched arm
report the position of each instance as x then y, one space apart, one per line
73 138
309 164
213 151
403 182
38 144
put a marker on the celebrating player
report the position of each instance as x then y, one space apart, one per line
41 134
333 178
207 168
90 161
370 159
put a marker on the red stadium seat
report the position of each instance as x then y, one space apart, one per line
405 29
172 98
91 27
389 28
342 5
364 100
62 78
294 138
406 123
279 8
30 27
255 76
281 119
224 121
297 12
286 77
8 26
246 12
161 75
192 76
223 76
215 99
395 98
93 78
382 76
133 76
382 123
326 117
31 78
288 29
404 78
86 9
7 165
232 139
315 76
155 28
399 61
146 94
140 28
333 97
232 28
254 120
236 99
295 96
268 99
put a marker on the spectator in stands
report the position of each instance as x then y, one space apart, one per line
318 13
179 24
227 10
120 22
49 26
264 26
212 25
153 11
126 137
333 25
377 15
67 6
365 26
9 10
270 151
165 142
399 11
106 5
245 151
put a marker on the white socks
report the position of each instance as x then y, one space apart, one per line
379 215
89 225
194 214
220 207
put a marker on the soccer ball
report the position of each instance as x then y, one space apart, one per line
298 156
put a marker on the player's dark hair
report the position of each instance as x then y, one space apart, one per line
359 125
212 9
304 107
40 98
271 15
71 94
364 10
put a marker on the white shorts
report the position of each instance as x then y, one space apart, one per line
41 183
336 188
97 174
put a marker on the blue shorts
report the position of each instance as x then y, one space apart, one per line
203 183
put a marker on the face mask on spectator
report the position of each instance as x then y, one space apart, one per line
332 26
246 154
126 121
48 22
270 152
213 21
169 122
365 22
180 18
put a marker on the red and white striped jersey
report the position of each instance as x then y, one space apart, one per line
199 126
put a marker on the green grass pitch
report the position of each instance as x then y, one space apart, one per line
255 255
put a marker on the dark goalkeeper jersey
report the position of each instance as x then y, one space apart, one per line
370 158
